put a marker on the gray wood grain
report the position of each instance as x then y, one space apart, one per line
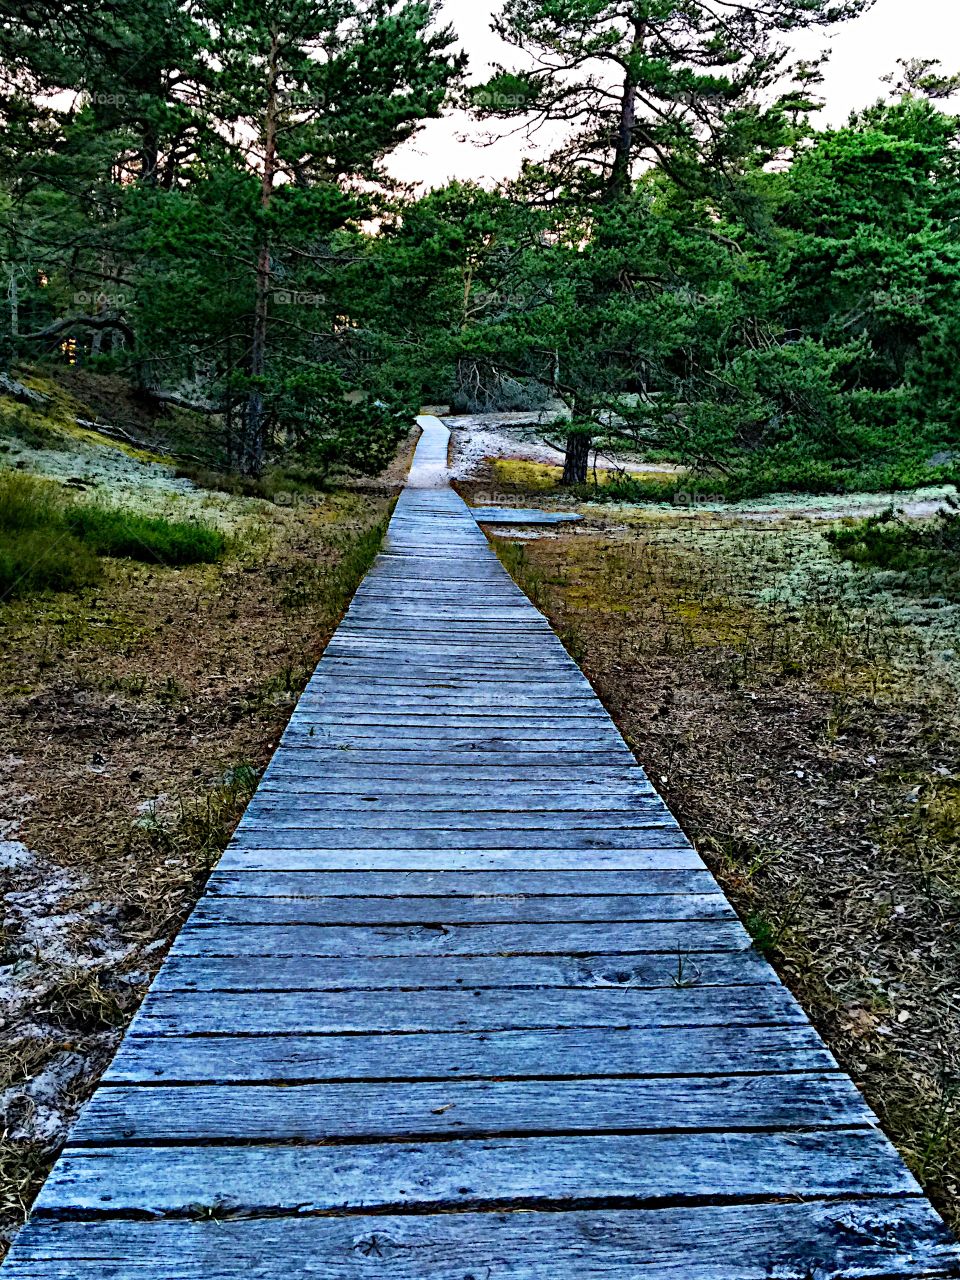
471 909
467 1109
463 1055
275 835
583 938
419 973
291 814
456 1174
444 884
238 858
847 1240
336 1012
471 793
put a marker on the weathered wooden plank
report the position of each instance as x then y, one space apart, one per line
502 1172
471 793
419 973
556 1052
475 757
523 515
338 1012
331 732
405 704
450 691
479 651
358 716
403 707
500 675
278 835
359 699
473 909
281 810
485 817
847 1240
390 616
423 624
474 771
456 859
685 936
467 1109
417 655
517 659
384 625
375 884
430 674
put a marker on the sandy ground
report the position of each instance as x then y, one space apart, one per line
107 473
502 435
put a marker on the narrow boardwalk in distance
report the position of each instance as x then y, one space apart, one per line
462 1003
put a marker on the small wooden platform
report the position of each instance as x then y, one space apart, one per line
523 516
462 1003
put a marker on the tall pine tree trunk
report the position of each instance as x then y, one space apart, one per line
621 174
149 157
13 300
255 443
576 458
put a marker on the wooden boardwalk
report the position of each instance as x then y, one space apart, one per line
462 1003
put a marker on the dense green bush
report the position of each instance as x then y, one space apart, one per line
792 473
43 560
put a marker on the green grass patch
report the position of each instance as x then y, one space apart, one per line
37 551
41 560
112 531
518 475
28 504
49 543
772 473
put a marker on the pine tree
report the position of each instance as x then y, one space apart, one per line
316 95
672 83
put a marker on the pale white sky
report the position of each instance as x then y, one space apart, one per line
863 52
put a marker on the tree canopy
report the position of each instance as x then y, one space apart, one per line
197 196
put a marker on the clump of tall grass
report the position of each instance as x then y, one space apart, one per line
49 543
111 531
37 553
26 503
